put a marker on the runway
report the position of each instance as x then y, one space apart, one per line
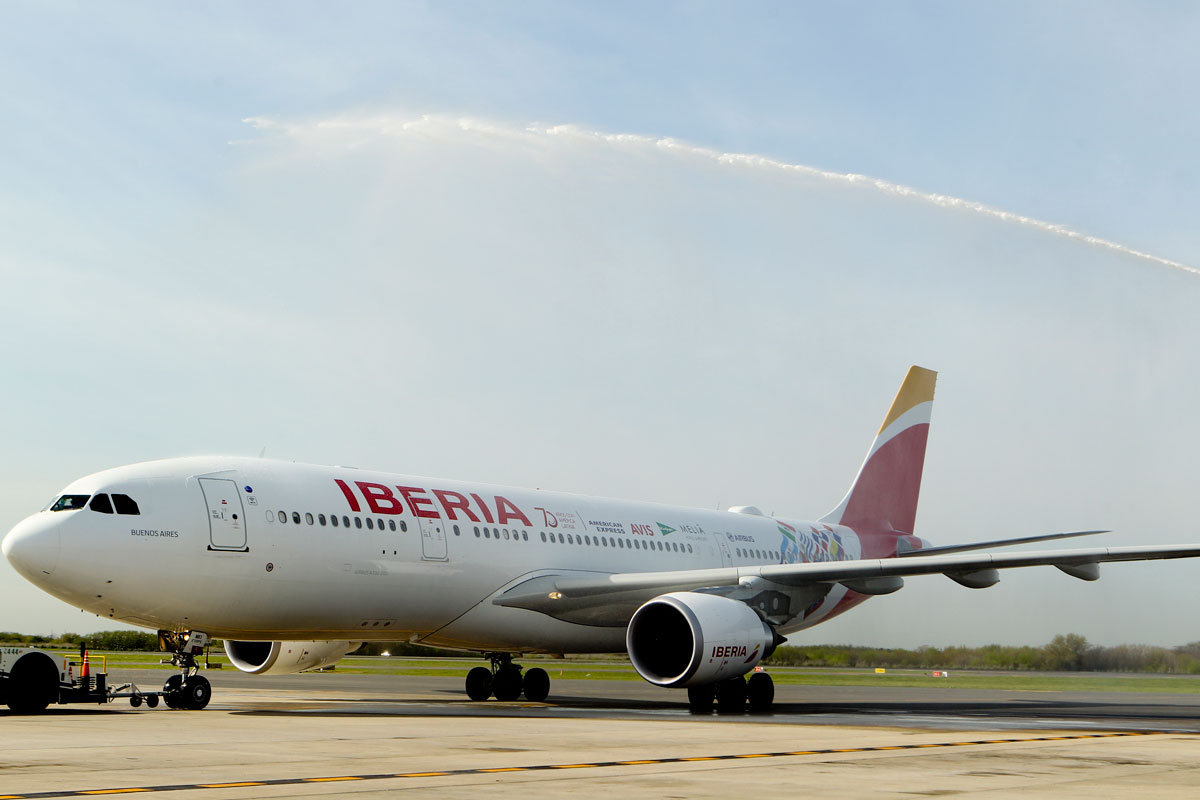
321 734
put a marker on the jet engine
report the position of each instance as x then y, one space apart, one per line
284 658
693 639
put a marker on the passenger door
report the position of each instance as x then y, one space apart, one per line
226 516
433 538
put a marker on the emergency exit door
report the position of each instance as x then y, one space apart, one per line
226 517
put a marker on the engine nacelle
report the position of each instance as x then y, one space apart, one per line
285 658
692 639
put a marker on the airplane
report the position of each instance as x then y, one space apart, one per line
294 565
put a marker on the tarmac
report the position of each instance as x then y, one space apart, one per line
375 735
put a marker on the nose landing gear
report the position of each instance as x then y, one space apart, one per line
189 689
505 681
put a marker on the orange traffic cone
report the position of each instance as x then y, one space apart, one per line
84 669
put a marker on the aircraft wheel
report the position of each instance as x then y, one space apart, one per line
536 684
32 684
151 701
731 696
135 700
479 683
173 689
760 692
507 684
700 698
197 691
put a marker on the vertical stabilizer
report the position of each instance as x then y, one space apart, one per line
884 495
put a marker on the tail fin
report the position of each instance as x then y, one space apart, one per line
884 495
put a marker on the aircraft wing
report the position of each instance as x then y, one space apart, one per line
611 599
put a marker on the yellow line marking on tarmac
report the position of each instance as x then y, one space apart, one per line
596 765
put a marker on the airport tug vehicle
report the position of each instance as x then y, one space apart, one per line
31 679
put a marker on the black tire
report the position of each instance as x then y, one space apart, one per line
507 684
700 698
731 696
536 684
173 690
197 691
151 701
760 692
32 684
479 684
135 700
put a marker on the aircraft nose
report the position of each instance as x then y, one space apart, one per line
33 547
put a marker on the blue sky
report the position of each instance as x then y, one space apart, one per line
406 263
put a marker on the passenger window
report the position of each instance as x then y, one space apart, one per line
321 519
370 524
457 532
333 520
101 503
283 517
477 532
543 536
308 518
487 534
125 505
296 517
70 502
345 521
403 526
506 533
379 523
391 524
525 536
358 522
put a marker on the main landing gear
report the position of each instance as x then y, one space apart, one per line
505 681
734 695
189 689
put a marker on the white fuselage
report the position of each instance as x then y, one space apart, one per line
249 549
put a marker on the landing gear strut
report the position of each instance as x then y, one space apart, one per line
189 689
505 681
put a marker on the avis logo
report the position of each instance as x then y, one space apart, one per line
736 651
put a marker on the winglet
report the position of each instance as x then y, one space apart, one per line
885 492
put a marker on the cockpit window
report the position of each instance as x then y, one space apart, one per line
125 504
101 503
70 502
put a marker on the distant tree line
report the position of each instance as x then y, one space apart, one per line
102 640
145 641
1066 652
